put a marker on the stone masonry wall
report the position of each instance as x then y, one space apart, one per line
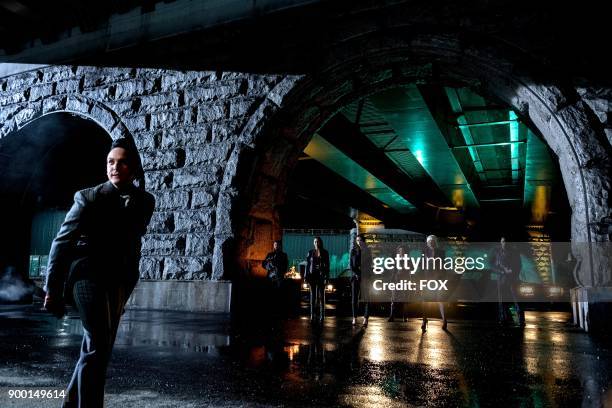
186 126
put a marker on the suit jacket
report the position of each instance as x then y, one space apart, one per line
360 260
508 258
276 263
100 239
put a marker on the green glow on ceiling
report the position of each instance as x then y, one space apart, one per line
334 159
453 98
514 148
407 113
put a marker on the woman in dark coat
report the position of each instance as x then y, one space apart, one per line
361 260
317 272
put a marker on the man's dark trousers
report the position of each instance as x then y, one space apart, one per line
100 310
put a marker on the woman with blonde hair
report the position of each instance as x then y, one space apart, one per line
432 250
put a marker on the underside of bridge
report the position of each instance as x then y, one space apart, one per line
431 159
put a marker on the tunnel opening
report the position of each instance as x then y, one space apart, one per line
432 159
428 157
43 164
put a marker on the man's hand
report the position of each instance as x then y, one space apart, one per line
55 306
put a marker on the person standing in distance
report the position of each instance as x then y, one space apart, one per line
94 260
276 263
316 274
360 261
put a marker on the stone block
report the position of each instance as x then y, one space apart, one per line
170 119
40 91
221 131
78 104
58 73
150 267
8 112
25 115
224 221
133 87
193 221
123 108
196 177
15 97
162 159
213 152
199 245
173 80
191 267
97 76
161 244
157 180
241 107
147 140
161 222
67 86
54 103
160 102
212 112
136 123
103 116
185 136
282 89
171 199
24 80
201 198
257 86
99 94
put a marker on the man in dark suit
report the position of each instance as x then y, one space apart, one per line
360 262
276 263
95 260
507 261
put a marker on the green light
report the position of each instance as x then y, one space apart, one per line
334 159
514 148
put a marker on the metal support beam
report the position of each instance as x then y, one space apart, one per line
318 183
481 124
489 144
347 137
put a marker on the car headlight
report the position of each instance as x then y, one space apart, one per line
329 288
526 290
305 286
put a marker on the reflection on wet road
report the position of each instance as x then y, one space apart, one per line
167 359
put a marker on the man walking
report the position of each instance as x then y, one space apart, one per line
95 260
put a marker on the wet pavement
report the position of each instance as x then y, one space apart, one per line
170 359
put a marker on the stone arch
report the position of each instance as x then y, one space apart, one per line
79 105
365 64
